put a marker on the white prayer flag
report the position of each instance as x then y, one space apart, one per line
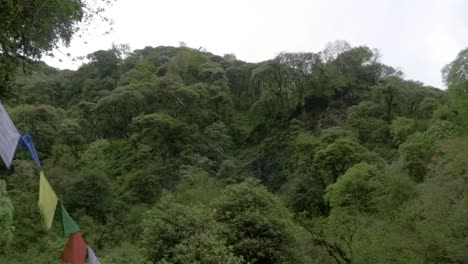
92 257
9 137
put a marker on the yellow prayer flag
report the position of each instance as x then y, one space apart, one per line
47 201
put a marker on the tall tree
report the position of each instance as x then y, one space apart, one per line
302 65
31 28
275 79
455 76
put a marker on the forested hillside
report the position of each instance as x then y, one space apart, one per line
176 155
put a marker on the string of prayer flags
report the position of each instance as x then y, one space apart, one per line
68 225
27 143
47 201
92 259
76 249
9 137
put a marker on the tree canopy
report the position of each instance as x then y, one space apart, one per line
177 155
31 29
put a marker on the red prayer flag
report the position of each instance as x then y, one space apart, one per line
76 249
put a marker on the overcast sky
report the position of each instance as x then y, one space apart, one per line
418 36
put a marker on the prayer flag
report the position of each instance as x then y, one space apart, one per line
9 137
92 259
27 143
47 201
68 225
76 249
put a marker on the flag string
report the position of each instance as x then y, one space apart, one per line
77 249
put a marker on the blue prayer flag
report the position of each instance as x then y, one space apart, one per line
27 143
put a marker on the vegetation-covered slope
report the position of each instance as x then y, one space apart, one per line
176 155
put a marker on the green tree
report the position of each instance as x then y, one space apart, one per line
302 65
30 29
6 218
168 228
142 72
41 121
275 79
401 128
416 153
204 248
144 184
116 110
366 119
218 141
257 224
355 190
71 134
92 193
105 63
307 196
455 76
441 200
335 159
239 84
387 94
168 136
353 198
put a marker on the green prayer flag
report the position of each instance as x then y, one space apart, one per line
47 201
68 225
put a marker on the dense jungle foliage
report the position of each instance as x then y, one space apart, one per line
176 155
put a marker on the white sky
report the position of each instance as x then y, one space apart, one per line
418 36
